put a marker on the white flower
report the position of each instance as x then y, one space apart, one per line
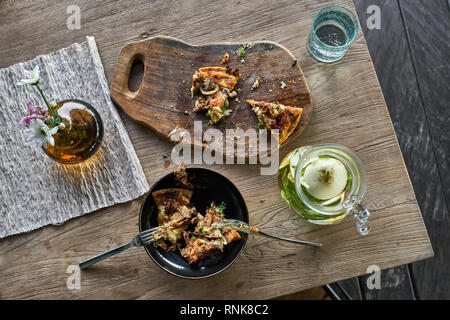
40 133
32 77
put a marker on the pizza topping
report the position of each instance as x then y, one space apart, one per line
223 77
168 201
276 116
182 176
231 94
178 220
204 241
208 87
216 106
200 104
207 240
216 84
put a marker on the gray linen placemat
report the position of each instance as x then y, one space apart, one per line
36 191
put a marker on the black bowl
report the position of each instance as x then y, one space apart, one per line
209 186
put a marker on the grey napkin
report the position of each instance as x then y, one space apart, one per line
36 191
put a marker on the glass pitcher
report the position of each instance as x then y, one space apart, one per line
325 183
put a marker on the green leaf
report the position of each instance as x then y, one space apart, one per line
241 52
222 207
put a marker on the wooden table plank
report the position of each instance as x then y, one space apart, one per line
347 91
396 71
430 53
429 40
392 62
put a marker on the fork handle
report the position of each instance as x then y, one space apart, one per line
315 244
103 256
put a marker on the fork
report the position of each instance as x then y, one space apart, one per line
142 239
246 228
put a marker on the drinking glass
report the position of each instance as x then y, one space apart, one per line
334 28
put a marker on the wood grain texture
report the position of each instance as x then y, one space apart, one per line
164 103
429 42
349 109
317 293
430 56
396 70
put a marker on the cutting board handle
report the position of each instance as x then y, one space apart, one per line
128 55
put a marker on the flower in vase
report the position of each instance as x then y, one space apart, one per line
39 133
32 77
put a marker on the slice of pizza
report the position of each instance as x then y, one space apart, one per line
174 215
207 240
209 79
216 106
168 201
216 84
272 115
199 247
172 231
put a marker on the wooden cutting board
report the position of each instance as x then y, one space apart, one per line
163 100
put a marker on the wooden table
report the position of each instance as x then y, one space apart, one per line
415 87
349 109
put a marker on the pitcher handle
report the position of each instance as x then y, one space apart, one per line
362 216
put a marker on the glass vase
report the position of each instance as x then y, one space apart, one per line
82 135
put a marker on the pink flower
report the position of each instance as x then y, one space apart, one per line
30 108
25 120
34 112
29 115
40 113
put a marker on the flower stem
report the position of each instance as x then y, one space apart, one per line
54 113
43 97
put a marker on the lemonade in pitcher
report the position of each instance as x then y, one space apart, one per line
324 184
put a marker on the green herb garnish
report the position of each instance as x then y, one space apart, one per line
222 207
241 52
260 124
193 238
